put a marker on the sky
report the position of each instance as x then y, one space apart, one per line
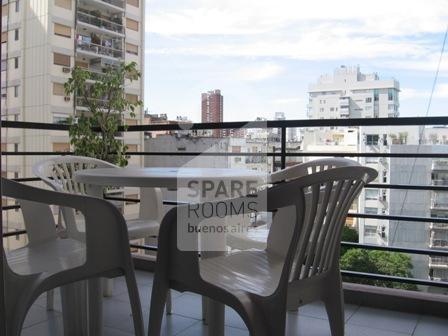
263 54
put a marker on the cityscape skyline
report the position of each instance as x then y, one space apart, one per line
263 57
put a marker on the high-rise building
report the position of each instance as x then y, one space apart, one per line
348 93
212 109
351 94
42 40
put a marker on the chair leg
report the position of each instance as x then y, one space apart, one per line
50 300
204 309
74 308
158 301
169 303
136 307
334 304
108 287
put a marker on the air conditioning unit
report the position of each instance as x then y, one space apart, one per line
67 98
65 70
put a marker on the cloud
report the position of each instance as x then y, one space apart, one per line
399 32
287 101
440 92
259 72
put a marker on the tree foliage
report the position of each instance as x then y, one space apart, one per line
94 132
380 262
348 235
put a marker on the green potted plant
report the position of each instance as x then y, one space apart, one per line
93 133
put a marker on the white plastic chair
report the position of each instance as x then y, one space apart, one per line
257 237
49 262
58 173
299 265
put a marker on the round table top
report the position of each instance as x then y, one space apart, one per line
164 176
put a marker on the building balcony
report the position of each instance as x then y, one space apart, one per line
438 226
440 165
439 204
438 262
438 243
440 182
92 50
98 25
369 310
113 6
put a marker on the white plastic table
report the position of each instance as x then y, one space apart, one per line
169 178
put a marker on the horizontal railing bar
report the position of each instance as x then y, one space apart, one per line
27 179
124 199
302 154
407 186
13 233
400 218
144 247
348 273
10 207
394 278
396 249
298 123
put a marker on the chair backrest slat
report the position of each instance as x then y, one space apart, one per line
328 191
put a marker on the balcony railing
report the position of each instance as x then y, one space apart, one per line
99 49
116 3
440 182
438 248
438 226
440 165
93 20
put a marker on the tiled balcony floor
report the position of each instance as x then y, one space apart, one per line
185 320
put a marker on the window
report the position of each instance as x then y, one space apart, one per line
16 35
17 6
372 139
84 65
4 37
67 4
16 62
134 3
131 122
131 98
321 109
4 93
132 148
132 48
58 89
131 24
371 194
61 147
369 231
5 8
60 119
4 65
61 59
371 210
16 91
368 99
332 109
371 160
61 30
390 94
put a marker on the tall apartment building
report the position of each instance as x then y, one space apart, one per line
42 40
348 93
212 109
351 94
